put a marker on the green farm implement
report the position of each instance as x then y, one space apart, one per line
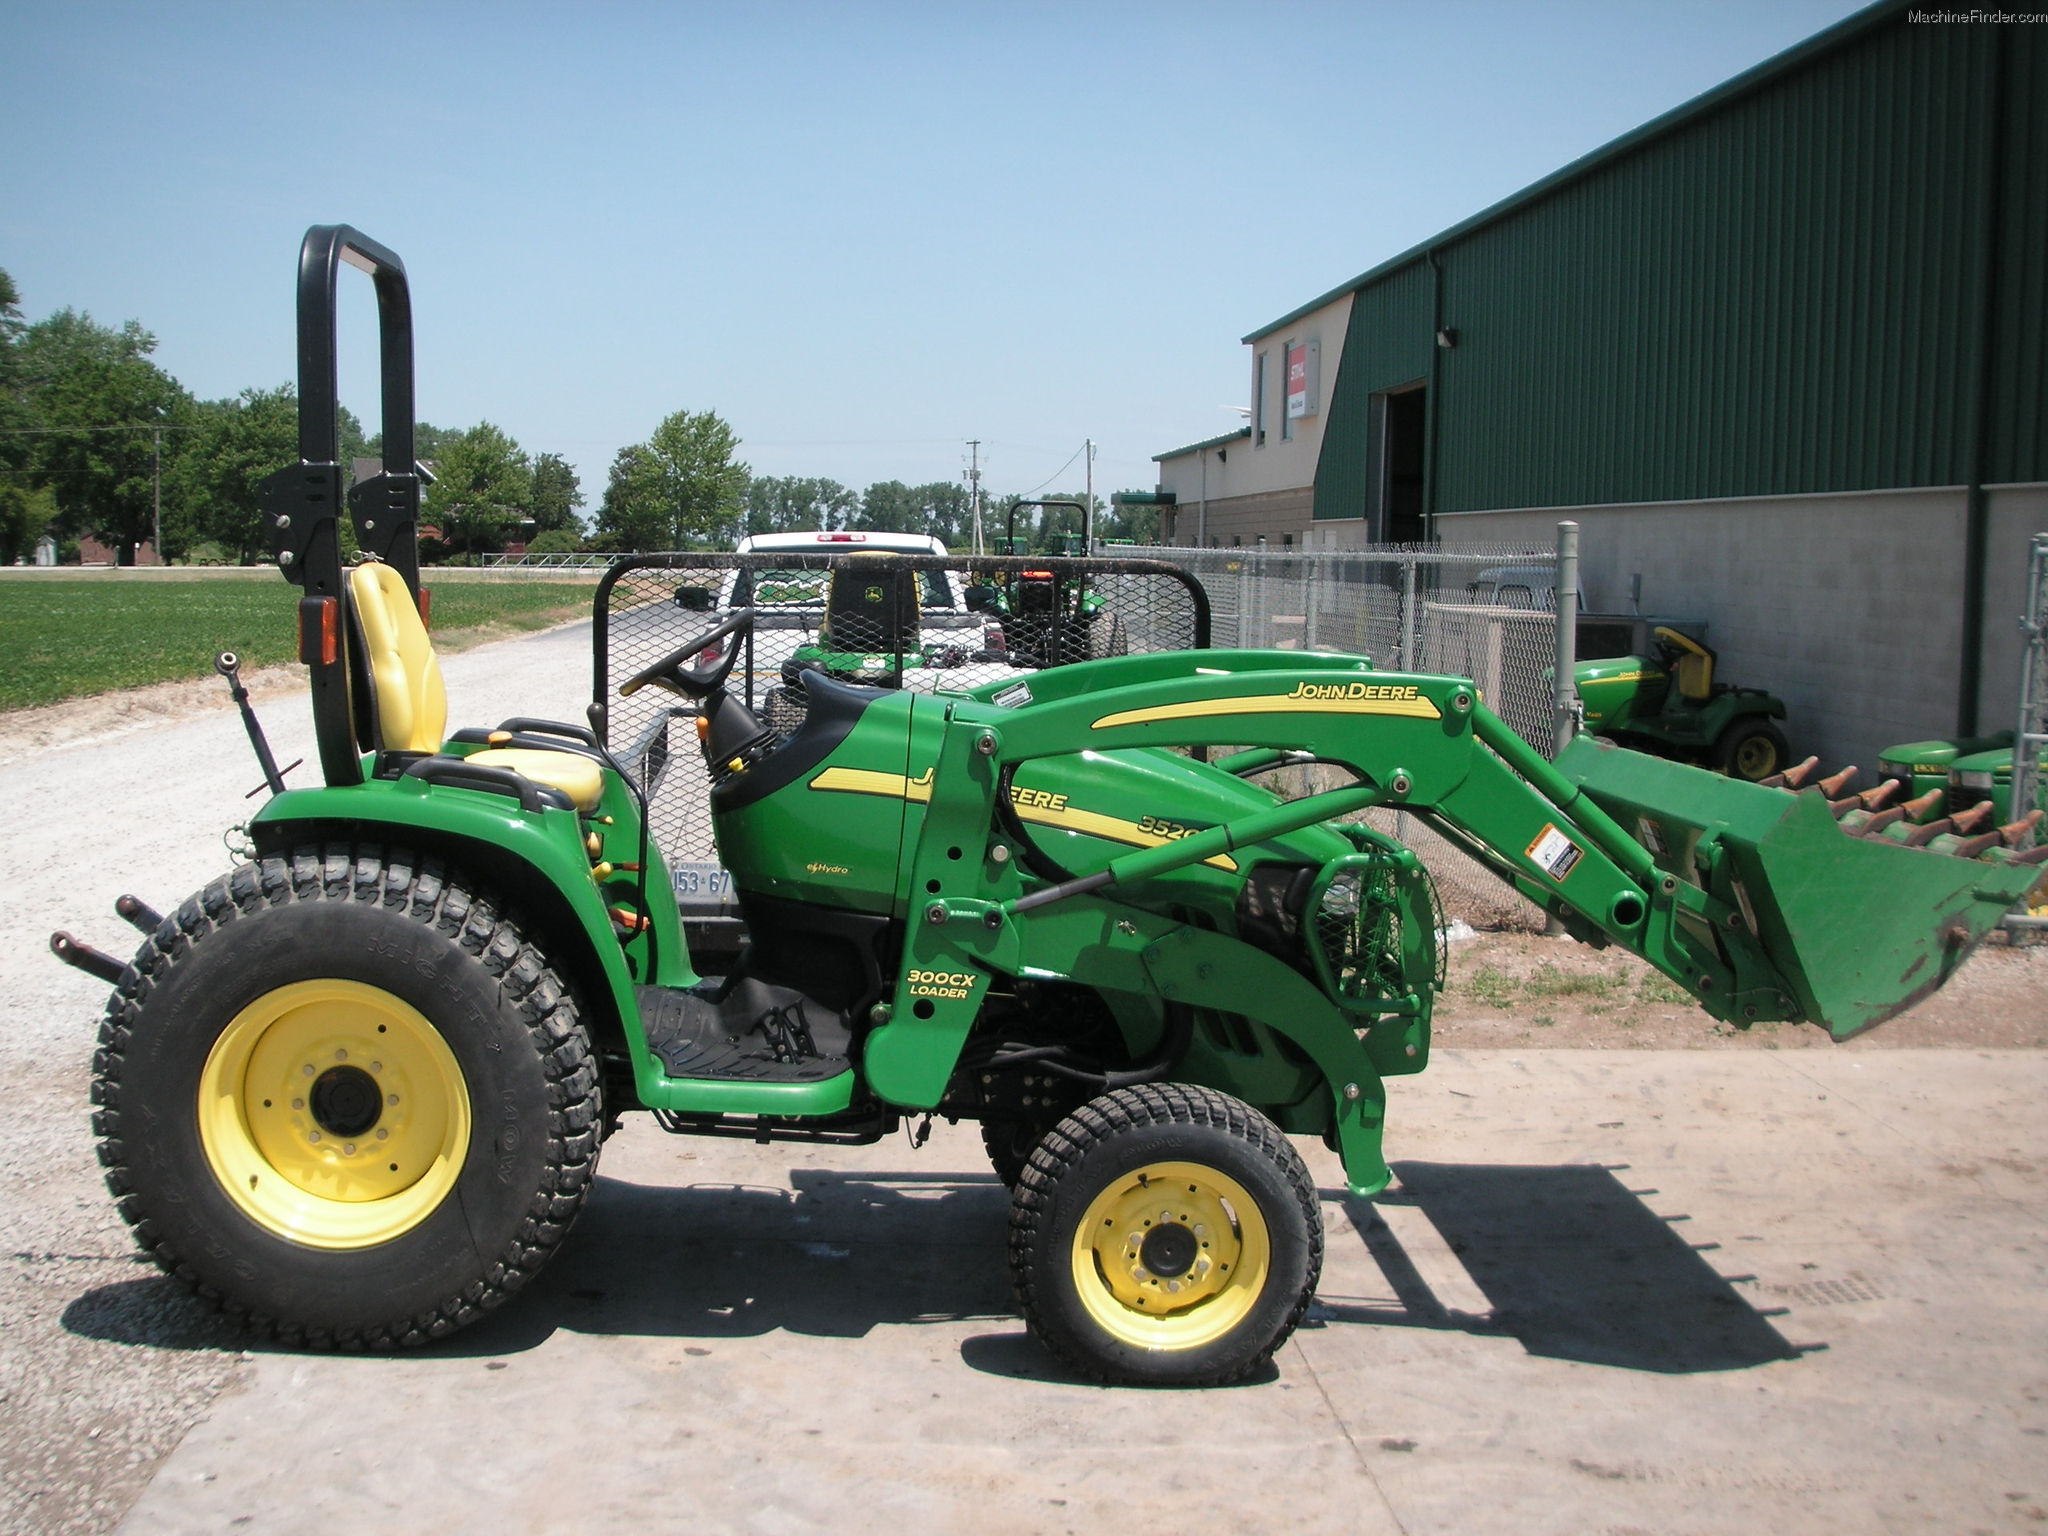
354 1090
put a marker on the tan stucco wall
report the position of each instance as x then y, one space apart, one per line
1277 516
1242 468
1849 606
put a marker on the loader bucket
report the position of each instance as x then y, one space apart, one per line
1855 929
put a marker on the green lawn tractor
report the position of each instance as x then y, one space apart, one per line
354 1090
1670 703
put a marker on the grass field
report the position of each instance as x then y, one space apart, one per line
67 637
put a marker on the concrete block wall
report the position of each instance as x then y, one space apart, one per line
1849 606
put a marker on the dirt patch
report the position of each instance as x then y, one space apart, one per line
1520 990
77 722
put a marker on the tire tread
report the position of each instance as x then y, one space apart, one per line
1060 1151
425 892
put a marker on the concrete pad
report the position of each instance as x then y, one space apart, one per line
1612 1291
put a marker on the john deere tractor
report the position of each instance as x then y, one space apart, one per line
355 1089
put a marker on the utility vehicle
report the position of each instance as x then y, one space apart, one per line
354 1090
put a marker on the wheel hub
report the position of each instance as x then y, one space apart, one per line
345 1101
1169 1250
1171 1255
333 1114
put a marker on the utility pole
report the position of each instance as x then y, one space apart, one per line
974 489
1088 505
156 492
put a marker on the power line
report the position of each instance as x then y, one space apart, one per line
67 431
1048 480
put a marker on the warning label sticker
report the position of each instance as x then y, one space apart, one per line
1013 696
1555 853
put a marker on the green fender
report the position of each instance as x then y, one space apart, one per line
547 843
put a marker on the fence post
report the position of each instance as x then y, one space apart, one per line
2030 735
1565 693
1408 585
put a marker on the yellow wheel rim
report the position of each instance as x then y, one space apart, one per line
333 1114
1171 1256
1756 758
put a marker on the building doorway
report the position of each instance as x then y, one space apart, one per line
1397 512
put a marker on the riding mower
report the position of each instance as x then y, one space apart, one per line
354 1090
1670 703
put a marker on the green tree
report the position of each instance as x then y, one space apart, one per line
24 514
556 541
556 495
229 447
482 484
798 503
887 506
680 489
100 407
634 515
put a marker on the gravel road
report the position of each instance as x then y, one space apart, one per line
134 801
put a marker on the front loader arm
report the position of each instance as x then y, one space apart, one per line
1713 892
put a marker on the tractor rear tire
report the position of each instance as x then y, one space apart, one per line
1008 1144
1165 1235
1106 636
1750 749
344 1099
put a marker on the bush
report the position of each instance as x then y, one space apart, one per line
556 541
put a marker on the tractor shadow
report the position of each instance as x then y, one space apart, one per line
1571 1263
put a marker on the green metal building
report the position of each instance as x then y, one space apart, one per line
1780 352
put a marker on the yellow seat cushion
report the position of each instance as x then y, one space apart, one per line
410 703
581 779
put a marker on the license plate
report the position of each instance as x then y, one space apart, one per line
703 887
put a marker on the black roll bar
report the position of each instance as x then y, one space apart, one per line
301 504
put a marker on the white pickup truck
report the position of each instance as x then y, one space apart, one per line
790 610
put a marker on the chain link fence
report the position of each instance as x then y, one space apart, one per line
931 622
921 622
1489 614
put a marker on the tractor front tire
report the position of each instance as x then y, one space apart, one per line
344 1099
1751 749
1165 1235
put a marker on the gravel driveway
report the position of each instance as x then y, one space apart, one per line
89 1401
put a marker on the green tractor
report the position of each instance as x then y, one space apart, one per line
1670 703
354 1090
1045 612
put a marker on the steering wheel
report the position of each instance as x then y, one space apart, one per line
693 682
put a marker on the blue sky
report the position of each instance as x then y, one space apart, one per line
862 232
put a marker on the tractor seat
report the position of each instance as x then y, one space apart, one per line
1693 662
409 704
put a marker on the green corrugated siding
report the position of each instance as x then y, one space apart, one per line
2019 442
1778 297
1386 345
